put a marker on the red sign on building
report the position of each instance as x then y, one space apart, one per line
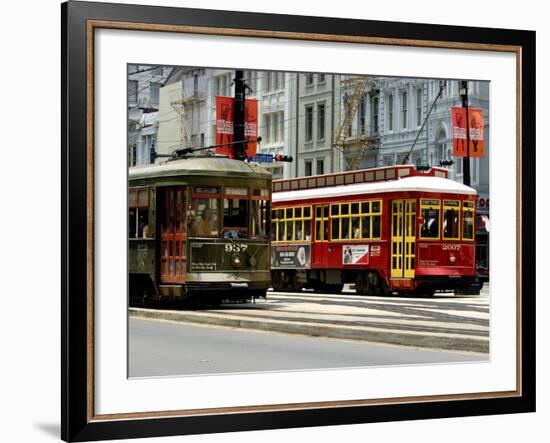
225 107
475 117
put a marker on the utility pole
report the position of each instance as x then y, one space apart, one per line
238 118
463 91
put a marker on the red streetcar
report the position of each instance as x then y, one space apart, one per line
390 229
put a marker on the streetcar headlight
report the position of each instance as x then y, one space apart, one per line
452 258
236 260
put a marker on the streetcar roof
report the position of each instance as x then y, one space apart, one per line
406 184
205 166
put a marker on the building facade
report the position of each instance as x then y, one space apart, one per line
144 83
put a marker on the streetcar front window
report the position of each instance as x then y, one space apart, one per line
203 217
138 214
235 212
261 214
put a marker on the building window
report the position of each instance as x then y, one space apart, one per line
274 81
275 126
154 89
390 112
418 107
132 91
195 85
309 123
267 128
281 126
375 115
308 168
281 80
320 166
277 172
404 107
321 121
309 79
362 116
321 78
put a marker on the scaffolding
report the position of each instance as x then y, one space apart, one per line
353 145
182 104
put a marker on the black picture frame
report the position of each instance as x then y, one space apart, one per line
77 420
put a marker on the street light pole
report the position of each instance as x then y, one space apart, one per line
466 160
238 119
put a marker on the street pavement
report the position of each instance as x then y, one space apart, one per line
161 348
442 322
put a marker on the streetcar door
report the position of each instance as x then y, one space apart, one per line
403 238
319 253
172 234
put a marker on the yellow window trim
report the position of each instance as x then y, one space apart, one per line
360 215
292 219
431 206
323 220
470 208
456 208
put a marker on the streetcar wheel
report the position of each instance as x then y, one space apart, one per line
276 281
295 284
361 285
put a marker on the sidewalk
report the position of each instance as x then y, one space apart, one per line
445 323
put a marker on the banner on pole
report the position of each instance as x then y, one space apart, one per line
475 117
225 113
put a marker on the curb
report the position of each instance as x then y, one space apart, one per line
394 337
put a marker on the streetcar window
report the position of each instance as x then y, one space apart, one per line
345 228
260 219
356 226
321 223
451 219
376 226
281 230
293 224
365 226
430 211
289 230
335 228
468 220
203 217
359 221
138 214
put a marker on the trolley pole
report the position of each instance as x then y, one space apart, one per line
238 118
466 160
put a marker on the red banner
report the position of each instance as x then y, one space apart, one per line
224 125
475 117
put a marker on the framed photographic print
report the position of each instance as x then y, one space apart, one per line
283 221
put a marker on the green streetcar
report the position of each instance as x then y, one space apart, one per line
198 231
